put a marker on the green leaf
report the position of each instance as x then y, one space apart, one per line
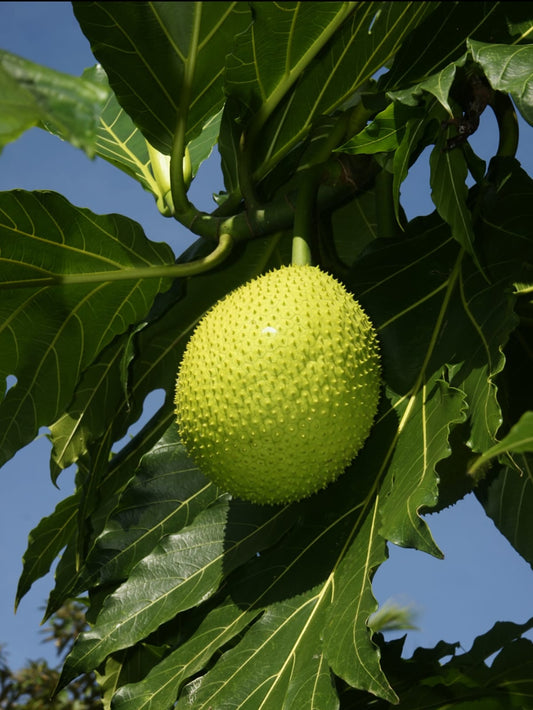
443 35
430 680
425 420
33 95
508 69
443 317
415 138
46 541
45 239
347 635
251 675
449 193
325 53
98 391
508 501
165 496
146 51
121 143
385 133
518 441
160 687
182 570
288 652
438 85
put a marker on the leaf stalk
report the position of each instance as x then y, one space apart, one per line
141 272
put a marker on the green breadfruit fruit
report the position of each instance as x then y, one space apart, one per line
279 386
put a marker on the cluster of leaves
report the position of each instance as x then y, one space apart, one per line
32 687
195 597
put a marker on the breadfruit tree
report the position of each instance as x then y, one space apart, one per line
197 597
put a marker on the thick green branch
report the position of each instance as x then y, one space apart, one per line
139 272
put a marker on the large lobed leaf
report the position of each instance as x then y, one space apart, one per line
43 238
325 53
161 66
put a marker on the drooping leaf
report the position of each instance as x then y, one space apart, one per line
426 418
154 58
45 240
508 501
165 496
183 570
438 85
161 685
98 390
46 541
298 584
34 95
449 193
508 69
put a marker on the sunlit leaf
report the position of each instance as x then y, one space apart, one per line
508 69
34 95
121 143
384 134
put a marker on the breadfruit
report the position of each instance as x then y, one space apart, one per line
279 385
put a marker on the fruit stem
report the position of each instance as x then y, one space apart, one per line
140 272
321 145
304 219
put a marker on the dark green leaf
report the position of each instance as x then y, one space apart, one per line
430 680
168 491
44 240
518 441
443 36
160 687
151 61
425 420
508 500
183 570
326 52
449 193
46 542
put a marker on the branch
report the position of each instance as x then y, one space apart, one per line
141 272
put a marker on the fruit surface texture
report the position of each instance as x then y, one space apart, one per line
279 386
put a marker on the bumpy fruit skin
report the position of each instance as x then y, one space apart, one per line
279 386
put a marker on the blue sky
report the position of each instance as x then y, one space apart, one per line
482 580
